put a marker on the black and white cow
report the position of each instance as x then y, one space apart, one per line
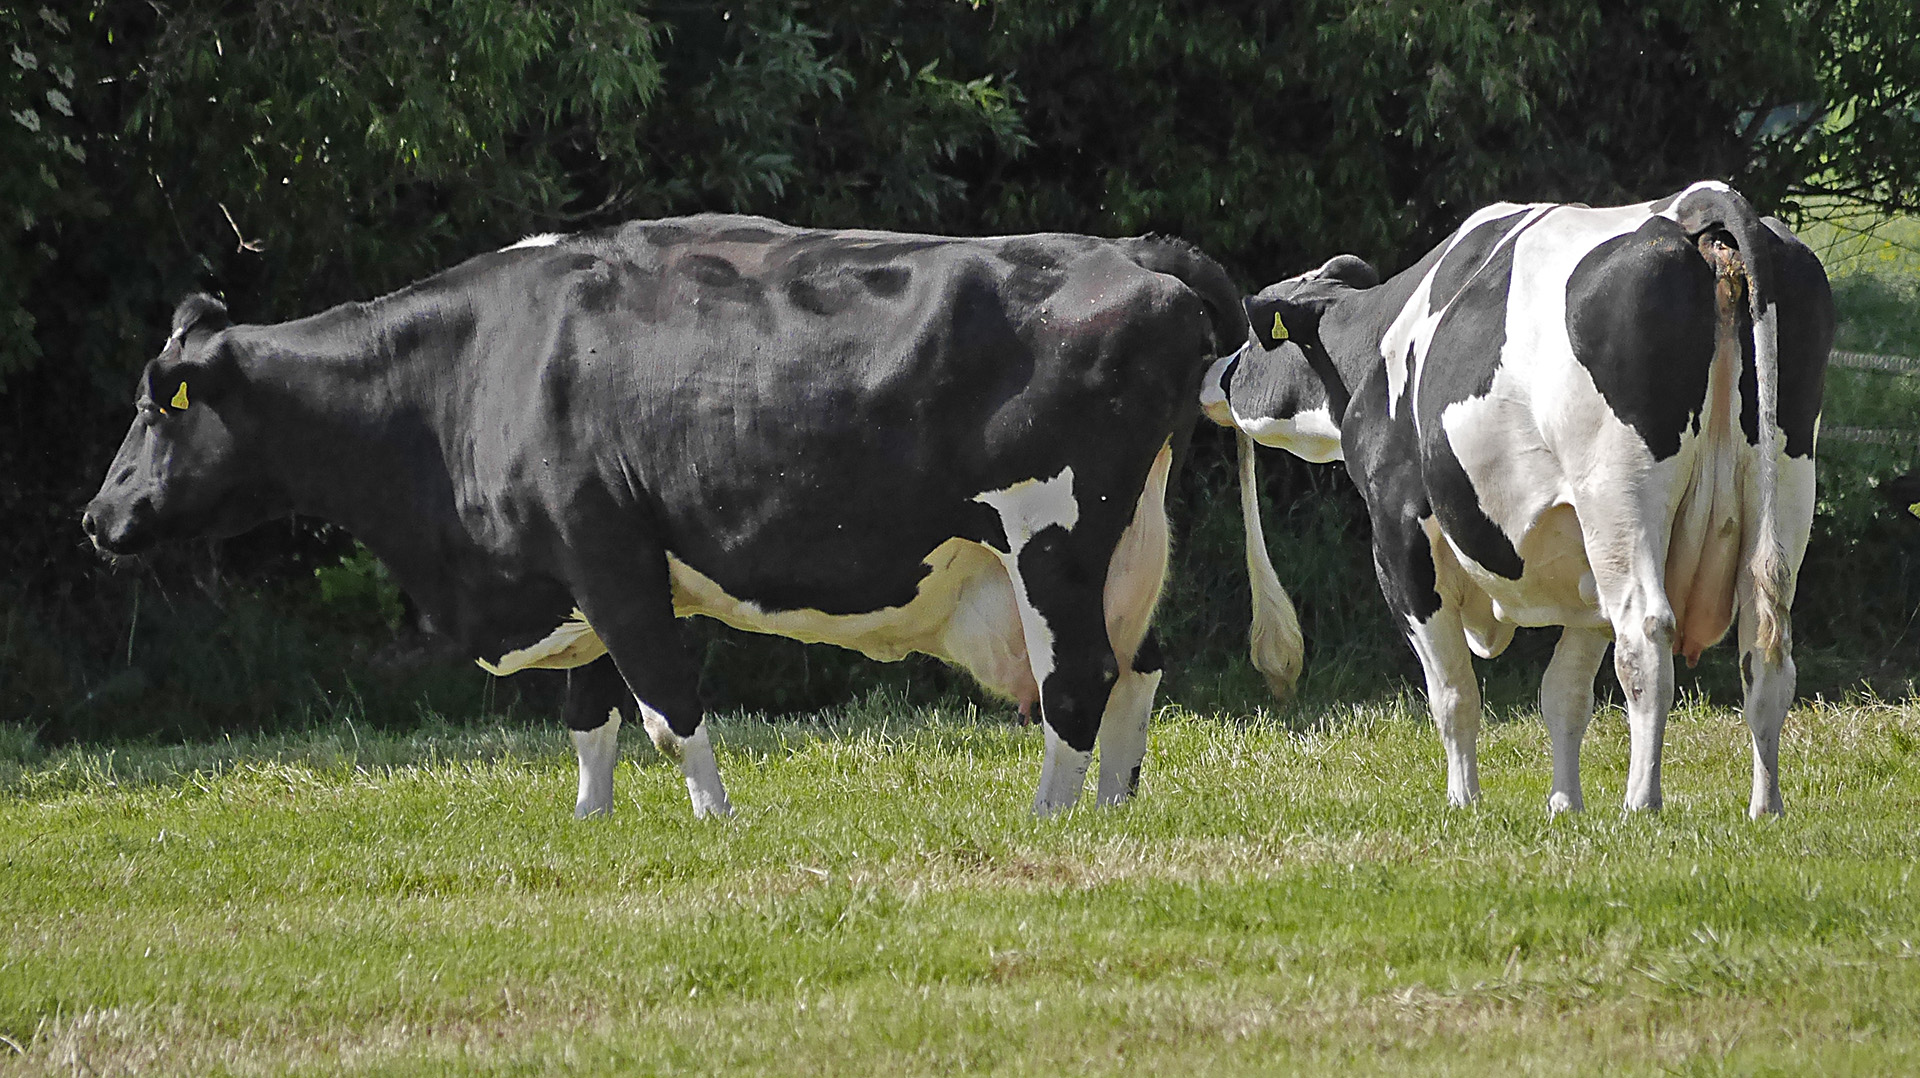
1568 416
889 442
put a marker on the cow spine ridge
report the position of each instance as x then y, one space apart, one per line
1702 209
1273 641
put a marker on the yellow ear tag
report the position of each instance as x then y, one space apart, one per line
1914 509
1279 331
179 398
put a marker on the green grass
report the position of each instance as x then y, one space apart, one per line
1286 897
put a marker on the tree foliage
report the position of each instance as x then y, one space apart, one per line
291 154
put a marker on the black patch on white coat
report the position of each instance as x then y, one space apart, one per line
1806 322
1469 256
1460 366
1640 315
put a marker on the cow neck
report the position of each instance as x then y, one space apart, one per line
1342 353
350 427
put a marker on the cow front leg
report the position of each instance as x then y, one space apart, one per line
1059 600
1566 706
1453 697
595 695
626 595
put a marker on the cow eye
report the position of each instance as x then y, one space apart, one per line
149 412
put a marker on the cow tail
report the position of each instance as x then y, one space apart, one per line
1702 209
1273 642
1203 276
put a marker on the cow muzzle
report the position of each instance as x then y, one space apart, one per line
118 530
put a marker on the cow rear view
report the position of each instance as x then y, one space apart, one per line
1597 418
889 442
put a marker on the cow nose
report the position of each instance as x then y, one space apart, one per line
89 525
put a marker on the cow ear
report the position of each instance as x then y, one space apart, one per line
198 313
182 378
1269 314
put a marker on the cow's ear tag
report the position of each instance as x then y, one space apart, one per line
1279 332
1914 509
179 398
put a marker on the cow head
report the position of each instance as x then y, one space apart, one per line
1291 309
183 469
1290 312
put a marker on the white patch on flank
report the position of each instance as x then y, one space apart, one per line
1025 509
1311 435
598 750
1031 505
544 239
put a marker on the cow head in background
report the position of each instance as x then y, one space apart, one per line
182 469
1291 311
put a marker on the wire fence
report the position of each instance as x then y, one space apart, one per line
1869 361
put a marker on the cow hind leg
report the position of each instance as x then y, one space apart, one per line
1123 726
595 694
624 590
1643 661
1566 706
1135 575
1769 693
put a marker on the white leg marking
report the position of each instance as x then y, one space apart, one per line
695 756
598 750
1453 696
1063 774
1769 694
1123 735
1566 705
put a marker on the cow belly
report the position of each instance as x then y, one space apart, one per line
965 613
1556 586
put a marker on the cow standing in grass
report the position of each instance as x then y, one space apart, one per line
890 442
1596 418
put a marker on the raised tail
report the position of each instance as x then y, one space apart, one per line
1700 209
1190 266
1274 641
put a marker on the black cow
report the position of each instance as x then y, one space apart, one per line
1541 414
889 442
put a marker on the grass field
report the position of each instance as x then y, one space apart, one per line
1284 898
1288 896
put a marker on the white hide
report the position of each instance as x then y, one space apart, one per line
1404 346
